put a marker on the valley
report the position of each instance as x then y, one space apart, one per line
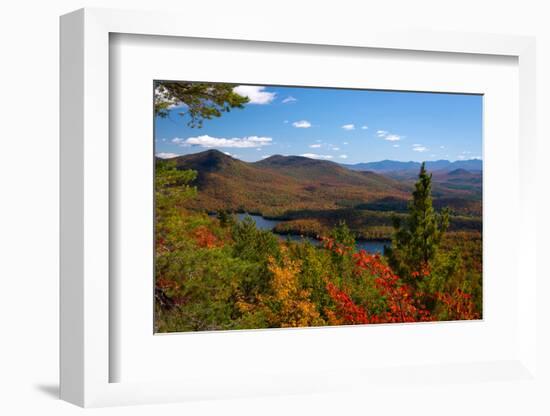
309 197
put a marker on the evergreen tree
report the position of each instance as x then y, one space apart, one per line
416 240
172 187
343 235
198 100
226 218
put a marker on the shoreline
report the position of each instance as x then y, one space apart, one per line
298 233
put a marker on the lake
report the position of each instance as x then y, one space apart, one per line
266 224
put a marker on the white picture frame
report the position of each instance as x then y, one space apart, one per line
86 356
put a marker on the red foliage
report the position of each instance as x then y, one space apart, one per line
205 238
163 283
403 304
334 246
346 311
459 305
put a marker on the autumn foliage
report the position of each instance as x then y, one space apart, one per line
219 273
403 303
286 304
205 238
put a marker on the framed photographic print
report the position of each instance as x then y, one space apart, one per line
280 214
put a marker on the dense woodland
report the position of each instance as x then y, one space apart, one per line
218 273
312 196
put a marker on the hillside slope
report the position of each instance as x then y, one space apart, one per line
281 183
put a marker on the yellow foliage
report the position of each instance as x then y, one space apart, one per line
332 318
243 306
288 305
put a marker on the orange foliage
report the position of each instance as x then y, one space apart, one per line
205 238
166 284
458 305
346 312
290 305
403 303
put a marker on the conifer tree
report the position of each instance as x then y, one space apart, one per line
416 240
198 101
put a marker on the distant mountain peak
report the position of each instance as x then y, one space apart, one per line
459 171
214 153
281 160
471 165
208 161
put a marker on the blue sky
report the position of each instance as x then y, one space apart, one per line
345 126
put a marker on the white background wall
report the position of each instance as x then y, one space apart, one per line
29 57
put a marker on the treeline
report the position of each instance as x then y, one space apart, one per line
365 224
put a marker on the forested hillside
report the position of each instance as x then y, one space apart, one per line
216 273
311 196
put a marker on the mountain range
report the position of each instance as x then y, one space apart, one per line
473 165
279 184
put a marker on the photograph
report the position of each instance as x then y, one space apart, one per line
280 206
275 208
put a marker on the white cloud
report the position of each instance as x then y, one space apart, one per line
345 143
348 126
364 127
302 124
166 155
285 122
265 156
315 146
343 156
316 156
395 145
289 99
392 138
255 94
464 157
386 135
335 148
209 141
420 148
442 147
